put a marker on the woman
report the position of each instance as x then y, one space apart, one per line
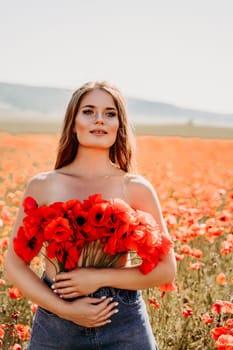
97 308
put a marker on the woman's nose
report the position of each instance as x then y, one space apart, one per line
99 118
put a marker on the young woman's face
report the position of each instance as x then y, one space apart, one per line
97 122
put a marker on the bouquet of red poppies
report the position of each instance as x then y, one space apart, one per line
91 233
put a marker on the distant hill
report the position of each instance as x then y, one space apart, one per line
24 103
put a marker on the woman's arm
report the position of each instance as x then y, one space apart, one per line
141 195
83 281
88 312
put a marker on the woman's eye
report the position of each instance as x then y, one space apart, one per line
88 111
111 114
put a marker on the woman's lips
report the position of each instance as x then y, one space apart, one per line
98 132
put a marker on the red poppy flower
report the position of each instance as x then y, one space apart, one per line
206 318
92 200
34 307
187 312
27 248
119 212
222 306
22 331
66 253
16 347
229 324
168 287
195 266
153 303
221 279
224 342
29 205
32 225
58 229
217 331
2 332
71 205
97 214
15 293
71 228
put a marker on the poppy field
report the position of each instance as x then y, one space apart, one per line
194 181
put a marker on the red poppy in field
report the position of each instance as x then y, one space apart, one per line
206 318
187 311
227 246
179 256
218 331
15 315
168 287
4 242
34 307
153 302
16 347
224 342
229 324
2 282
195 266
15 293
22 331
222 306
221 279
2 330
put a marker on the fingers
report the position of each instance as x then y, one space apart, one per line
61 284
98 311
103 312
73 295
95 301
107 308
63 290
62 276
67 293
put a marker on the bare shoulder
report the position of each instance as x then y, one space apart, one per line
141 195
139 190
38 186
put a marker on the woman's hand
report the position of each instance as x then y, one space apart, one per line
78 282
90 312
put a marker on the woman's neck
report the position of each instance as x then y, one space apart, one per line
92 163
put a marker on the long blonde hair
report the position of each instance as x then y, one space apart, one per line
120 153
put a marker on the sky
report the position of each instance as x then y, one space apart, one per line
172 51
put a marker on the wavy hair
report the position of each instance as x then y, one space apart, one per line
121 152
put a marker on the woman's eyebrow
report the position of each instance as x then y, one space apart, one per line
92 106
111 108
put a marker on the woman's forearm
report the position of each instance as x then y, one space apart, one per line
87 312
131 278
21 276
